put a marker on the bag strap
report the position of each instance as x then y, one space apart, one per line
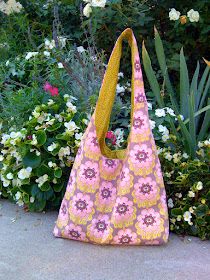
107 92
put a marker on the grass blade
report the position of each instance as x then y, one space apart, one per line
206 124
184 86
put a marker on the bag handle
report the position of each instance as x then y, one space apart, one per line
107 92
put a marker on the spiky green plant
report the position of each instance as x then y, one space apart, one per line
190 99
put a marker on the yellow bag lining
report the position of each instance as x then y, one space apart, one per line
107 94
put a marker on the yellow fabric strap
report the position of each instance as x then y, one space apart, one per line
107 93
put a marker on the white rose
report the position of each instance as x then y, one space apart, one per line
98 3
193 16
87 10
173 14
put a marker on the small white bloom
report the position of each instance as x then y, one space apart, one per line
199 185
46 53
49 44
52 147
78 136
80 49
87 10
120 89
170 203
41 180
191 210
24 173
9 176
149 105
152 124
191 194
62 41
7 63
71 107
18 195
52 164
32 199
85 121
64 151
178 218
71 126
34 140
193 15
160 113
165 137
168 156
185 155
120 75
170 111
60 65
163 129
1 158
173 14
187 216
98 3
30 55
50 102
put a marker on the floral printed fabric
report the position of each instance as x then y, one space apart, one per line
114 201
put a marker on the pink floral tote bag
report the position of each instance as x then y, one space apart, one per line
116 196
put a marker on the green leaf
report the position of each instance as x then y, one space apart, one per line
45 187
32 160
151 76
58 173
205 125
54 127
201 210
192 123
194 86
205 92
202 83
38 205
58 187
184 86
41 137
176 211
162 62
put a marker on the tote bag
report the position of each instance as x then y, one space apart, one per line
116 196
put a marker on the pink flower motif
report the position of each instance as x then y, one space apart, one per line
123 209
71 182
140 97
74 232
89 173
100 226
140 122
141 155
81 205
110 165
125 237
125 177
92 142
145 189
107 193
63 213
158 170
149 220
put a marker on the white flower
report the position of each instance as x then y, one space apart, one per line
64 152
71 107
173 14
59 117
24 173
46 53
30 54
60 65
191 194
193 15
1 158
11 6
185 155
170 111
49 44
152 124
120 89
168 156
62 41
163 129
179 195
50 102
199 185
187 216
165 137
18 195
98 3
87 10
32 199
71 126
170 203
85 121
176 157
149 105
9 176
34 140
7 63
120 75
52 164
52 147
41 180
80 49
160 113
78 136
178 218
